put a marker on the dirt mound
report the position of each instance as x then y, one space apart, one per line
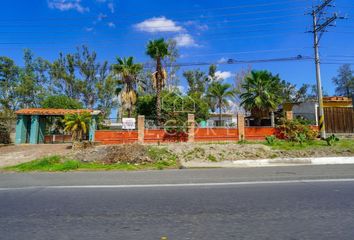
220 152
127 153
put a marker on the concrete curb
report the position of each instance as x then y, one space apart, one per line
271 162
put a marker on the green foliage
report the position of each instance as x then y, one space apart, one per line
344 81
61 102
270 139
262 93
212 158
294 131
331 140
7 121
77 124
9 80
162 157
197 81
219 94
128 71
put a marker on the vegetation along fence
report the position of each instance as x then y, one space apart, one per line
192 133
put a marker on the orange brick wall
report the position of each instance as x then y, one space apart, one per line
116 137
215 134
259 133
154 136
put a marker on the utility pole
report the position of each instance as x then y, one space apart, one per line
318 29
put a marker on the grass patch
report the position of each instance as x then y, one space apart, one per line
161 157
342 145
212 158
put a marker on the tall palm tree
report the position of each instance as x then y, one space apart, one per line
262 94
158 50
78 124
129 71
220 93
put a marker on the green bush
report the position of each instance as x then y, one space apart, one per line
270 139
331 140
295 131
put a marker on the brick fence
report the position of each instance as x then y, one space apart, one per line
193 134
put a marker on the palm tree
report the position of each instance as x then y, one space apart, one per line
158 50
78 124
129 72
262 94
220 93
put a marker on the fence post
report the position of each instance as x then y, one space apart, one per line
289 115
241 126
191 127
141 128
272 119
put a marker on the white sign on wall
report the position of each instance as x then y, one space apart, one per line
128 123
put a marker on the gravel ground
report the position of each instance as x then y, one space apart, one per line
12 155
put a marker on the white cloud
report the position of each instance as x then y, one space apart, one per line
158 24
111 25
222 60
197 25
223 75
65 5
185 40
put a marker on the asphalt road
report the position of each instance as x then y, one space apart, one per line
195 208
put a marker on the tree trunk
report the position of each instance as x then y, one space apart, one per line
158 91
220 114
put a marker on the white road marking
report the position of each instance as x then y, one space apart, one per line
178 184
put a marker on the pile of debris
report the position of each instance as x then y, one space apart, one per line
125 153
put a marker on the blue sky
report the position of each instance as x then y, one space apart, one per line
206 31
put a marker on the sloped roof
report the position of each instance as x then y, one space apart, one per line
54 112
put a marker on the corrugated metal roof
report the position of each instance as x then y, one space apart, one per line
53 112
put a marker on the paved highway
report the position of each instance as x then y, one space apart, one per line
193 209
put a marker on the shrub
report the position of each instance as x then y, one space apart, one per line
331 140
270 139
295 131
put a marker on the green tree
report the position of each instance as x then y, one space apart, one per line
33 81
262 94
220 93
172 80
158 50
290 93
61 102
9 80
77 124
129 72
344 81
90 72
62 72
197 81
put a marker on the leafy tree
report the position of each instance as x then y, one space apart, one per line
291 94
262 94
89 70
62 72
77 124
61 102
158 50
197 81
220 93
172 69
106 93
344 81
128 71
33 81
9 81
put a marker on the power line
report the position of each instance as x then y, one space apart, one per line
165 12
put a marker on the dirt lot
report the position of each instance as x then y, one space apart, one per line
183 152
12 155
